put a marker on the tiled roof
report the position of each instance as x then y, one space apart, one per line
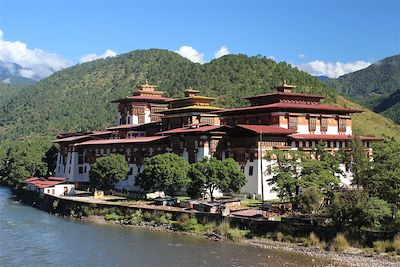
202 129
146 139
138 127
71 139
293 106
265 129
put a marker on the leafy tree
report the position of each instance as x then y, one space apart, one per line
309 201
295 171
358 161
108 170
210 174
375 212
383 176
50 159
165 172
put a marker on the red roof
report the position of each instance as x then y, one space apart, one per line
71 139
286 94
42 183
265 129
54 178
331 137
202 129
133 126
146 139
294 106
31 179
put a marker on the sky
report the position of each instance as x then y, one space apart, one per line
322 37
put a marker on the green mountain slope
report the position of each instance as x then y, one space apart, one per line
79 97
376 87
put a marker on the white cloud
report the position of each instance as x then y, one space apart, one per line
191 54
221 52
91 57
301 56
39 62
331 69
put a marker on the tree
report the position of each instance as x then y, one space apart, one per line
165 172
309 201
210 174
296 171
108 170
375 212
358 161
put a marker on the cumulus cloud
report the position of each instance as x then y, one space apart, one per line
91 57
36 63
191 54
332 69
301 56
221 52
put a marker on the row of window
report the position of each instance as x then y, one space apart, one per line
312 124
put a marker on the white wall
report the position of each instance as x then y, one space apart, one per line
129 183
147 117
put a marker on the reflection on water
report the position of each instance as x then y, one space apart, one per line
30 237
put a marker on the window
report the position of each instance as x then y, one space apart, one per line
324 124
80 170
80 158
342 125
312 124
251 169
293 123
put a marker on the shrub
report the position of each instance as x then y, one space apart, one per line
183 217
339 243
381 246
236 234
189 225
112 217
223 228
136 217
86 211
278 236
396 244
165 218
313 240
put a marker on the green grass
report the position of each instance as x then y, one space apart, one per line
180 198
370 123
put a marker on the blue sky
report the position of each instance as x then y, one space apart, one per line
318 36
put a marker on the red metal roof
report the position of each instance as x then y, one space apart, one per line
287 94
332 137
266 129
202 129
54 178
294 106
146 139
42 183
31 179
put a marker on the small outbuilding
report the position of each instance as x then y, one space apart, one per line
56 186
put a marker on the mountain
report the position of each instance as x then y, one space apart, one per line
323 78
78 98
11 73
376 87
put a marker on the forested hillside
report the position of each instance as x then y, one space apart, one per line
376 87
78 98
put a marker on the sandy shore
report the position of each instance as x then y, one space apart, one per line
353 257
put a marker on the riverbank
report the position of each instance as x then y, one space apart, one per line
352 257
168 219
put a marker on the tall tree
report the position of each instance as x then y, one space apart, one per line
210 174
108 170
165 172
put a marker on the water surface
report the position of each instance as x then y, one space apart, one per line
30 237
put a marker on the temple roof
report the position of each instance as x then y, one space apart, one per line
190 109
146 139
145 93
289 107
196 129
264 129
134 127
287 94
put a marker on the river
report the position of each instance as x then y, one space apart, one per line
31 237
